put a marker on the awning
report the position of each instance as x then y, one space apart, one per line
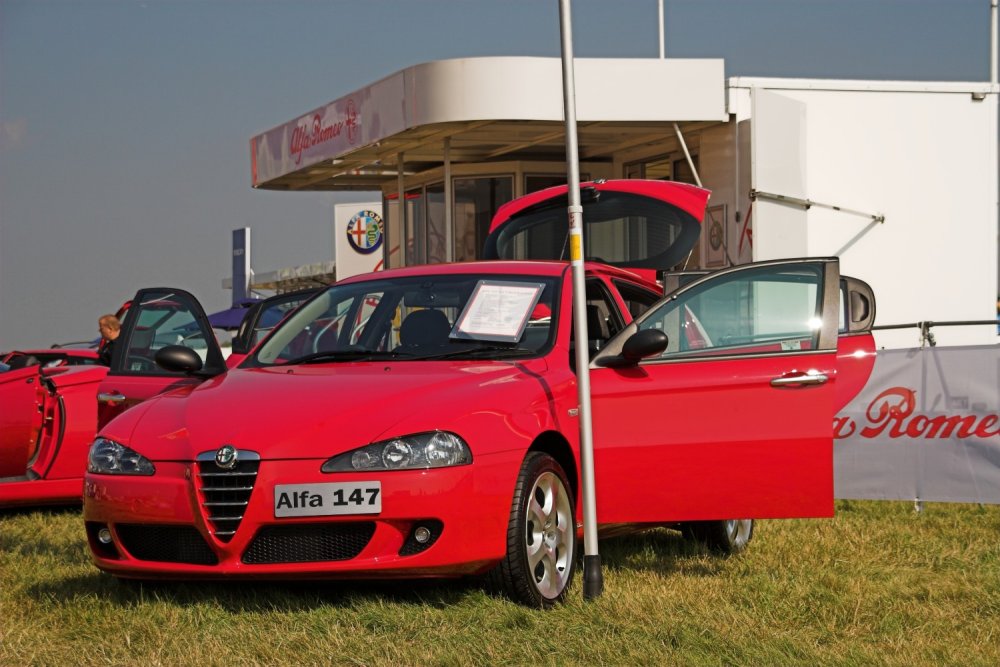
489 109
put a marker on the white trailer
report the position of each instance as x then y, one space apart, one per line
897 179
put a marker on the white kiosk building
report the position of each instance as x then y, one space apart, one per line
898 179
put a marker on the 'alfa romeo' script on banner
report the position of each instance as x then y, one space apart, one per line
926 426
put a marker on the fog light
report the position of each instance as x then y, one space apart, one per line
104 536
422 536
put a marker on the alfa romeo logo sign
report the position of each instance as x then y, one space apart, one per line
226 457
715 235
365 232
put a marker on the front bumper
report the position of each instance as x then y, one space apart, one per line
159 527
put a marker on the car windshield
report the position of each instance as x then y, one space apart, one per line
462 316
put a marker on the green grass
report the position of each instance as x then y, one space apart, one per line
877 585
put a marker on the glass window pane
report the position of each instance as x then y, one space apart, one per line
416 228
163 318
476 201
637 299
658 170
541 181
766 310
393 233
437 252
624 228
371 317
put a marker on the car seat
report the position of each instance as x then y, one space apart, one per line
424 329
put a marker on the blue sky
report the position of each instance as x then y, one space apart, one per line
124 125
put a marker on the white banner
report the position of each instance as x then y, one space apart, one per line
925 427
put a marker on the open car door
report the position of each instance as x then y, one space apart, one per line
734 418
158 317
20 419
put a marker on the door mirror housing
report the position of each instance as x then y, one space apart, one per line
178 359
642 344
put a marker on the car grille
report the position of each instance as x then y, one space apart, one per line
166 544
226 493
304 543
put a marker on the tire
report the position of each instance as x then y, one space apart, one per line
728 537
540 562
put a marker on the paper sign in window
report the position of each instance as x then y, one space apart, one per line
498 310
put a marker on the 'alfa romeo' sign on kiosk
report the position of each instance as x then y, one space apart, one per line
359 238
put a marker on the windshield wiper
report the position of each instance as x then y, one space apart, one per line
482 350
345 355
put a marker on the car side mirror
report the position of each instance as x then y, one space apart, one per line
178 359
644 343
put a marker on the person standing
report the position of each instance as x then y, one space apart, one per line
110 327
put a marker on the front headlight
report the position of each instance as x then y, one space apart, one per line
437 449
107 457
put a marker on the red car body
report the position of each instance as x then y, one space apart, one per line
42 454
288 466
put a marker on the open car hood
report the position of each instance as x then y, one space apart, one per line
632 224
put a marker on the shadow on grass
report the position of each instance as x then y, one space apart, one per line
658 551
259 596
661 551
38 532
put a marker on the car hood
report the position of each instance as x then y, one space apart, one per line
316 411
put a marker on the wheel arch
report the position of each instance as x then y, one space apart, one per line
556 446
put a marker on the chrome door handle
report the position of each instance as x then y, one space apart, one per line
110 399
800 379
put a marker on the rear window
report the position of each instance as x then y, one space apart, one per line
620 228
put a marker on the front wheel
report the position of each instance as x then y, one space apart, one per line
541 536
731 536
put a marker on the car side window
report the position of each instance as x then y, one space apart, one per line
769 310
603 318
637 299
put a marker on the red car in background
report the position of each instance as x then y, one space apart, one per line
423 422
48 415
47 358
23 420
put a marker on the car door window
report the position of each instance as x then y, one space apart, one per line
603 318
637 299
772 309
162 318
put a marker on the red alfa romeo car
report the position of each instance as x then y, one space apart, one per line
423 422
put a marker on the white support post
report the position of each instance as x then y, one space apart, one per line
593 580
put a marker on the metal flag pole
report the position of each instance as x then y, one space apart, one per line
593 580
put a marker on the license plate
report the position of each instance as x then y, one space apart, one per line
327 499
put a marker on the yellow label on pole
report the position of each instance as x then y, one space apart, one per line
574 247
